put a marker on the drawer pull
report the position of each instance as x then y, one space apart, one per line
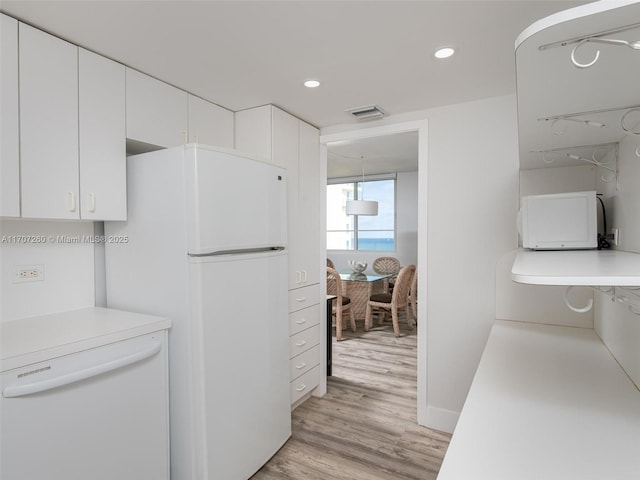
301 388
300 344
302 365
301 321
301 299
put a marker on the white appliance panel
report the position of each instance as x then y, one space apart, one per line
559 221
234 202
240 345
101 413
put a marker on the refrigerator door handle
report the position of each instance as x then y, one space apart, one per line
240 251
51 383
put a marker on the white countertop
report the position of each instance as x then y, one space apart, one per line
547 402
577 267
31 340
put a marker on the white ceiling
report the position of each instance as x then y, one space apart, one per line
241 54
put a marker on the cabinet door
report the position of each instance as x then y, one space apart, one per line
48 125
210 124
285 153
103 185
156 111
253 132
308 227
10 159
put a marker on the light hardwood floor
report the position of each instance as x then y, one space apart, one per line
365 427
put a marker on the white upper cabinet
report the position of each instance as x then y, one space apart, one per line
210 124
72 131
103 169
253 132
157 113
48 125
9 140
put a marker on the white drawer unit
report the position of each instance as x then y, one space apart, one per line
304 297
304 362
303 319
304 384
303 341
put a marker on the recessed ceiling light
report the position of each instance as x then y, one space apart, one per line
444 52
312 83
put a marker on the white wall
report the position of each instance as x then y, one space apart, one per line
619 327
68 261
472 207
406 229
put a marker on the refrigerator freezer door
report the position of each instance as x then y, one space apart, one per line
234 202
241 362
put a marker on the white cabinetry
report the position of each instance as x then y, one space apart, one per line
48 125
304 341
283 140
9 140
72 144
209 123
157 113
103 169
305 214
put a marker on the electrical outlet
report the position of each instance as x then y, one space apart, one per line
28 273
616 235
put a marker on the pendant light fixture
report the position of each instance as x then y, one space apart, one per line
362 207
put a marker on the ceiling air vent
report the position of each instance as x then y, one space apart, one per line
370 112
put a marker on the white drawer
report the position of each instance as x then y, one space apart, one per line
303 341
304 362
305 383
303 319
304 297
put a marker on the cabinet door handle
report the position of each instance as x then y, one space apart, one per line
302 365
298 277
304 276
72 201
302 343
92 202
301 321
301 388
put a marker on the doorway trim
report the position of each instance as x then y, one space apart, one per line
420 126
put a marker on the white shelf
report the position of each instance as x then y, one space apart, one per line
547 402
577 267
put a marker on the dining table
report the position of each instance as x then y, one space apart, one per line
359 287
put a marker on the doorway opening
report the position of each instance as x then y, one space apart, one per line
392 151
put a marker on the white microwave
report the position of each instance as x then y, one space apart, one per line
561 221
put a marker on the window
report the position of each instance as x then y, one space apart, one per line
352 232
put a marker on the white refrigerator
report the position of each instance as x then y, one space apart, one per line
205 246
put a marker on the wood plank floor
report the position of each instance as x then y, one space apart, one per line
365 427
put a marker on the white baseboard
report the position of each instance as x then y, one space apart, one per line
441 419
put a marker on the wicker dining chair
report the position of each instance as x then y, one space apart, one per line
330 263
394 302
341 304
413 296
387 266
